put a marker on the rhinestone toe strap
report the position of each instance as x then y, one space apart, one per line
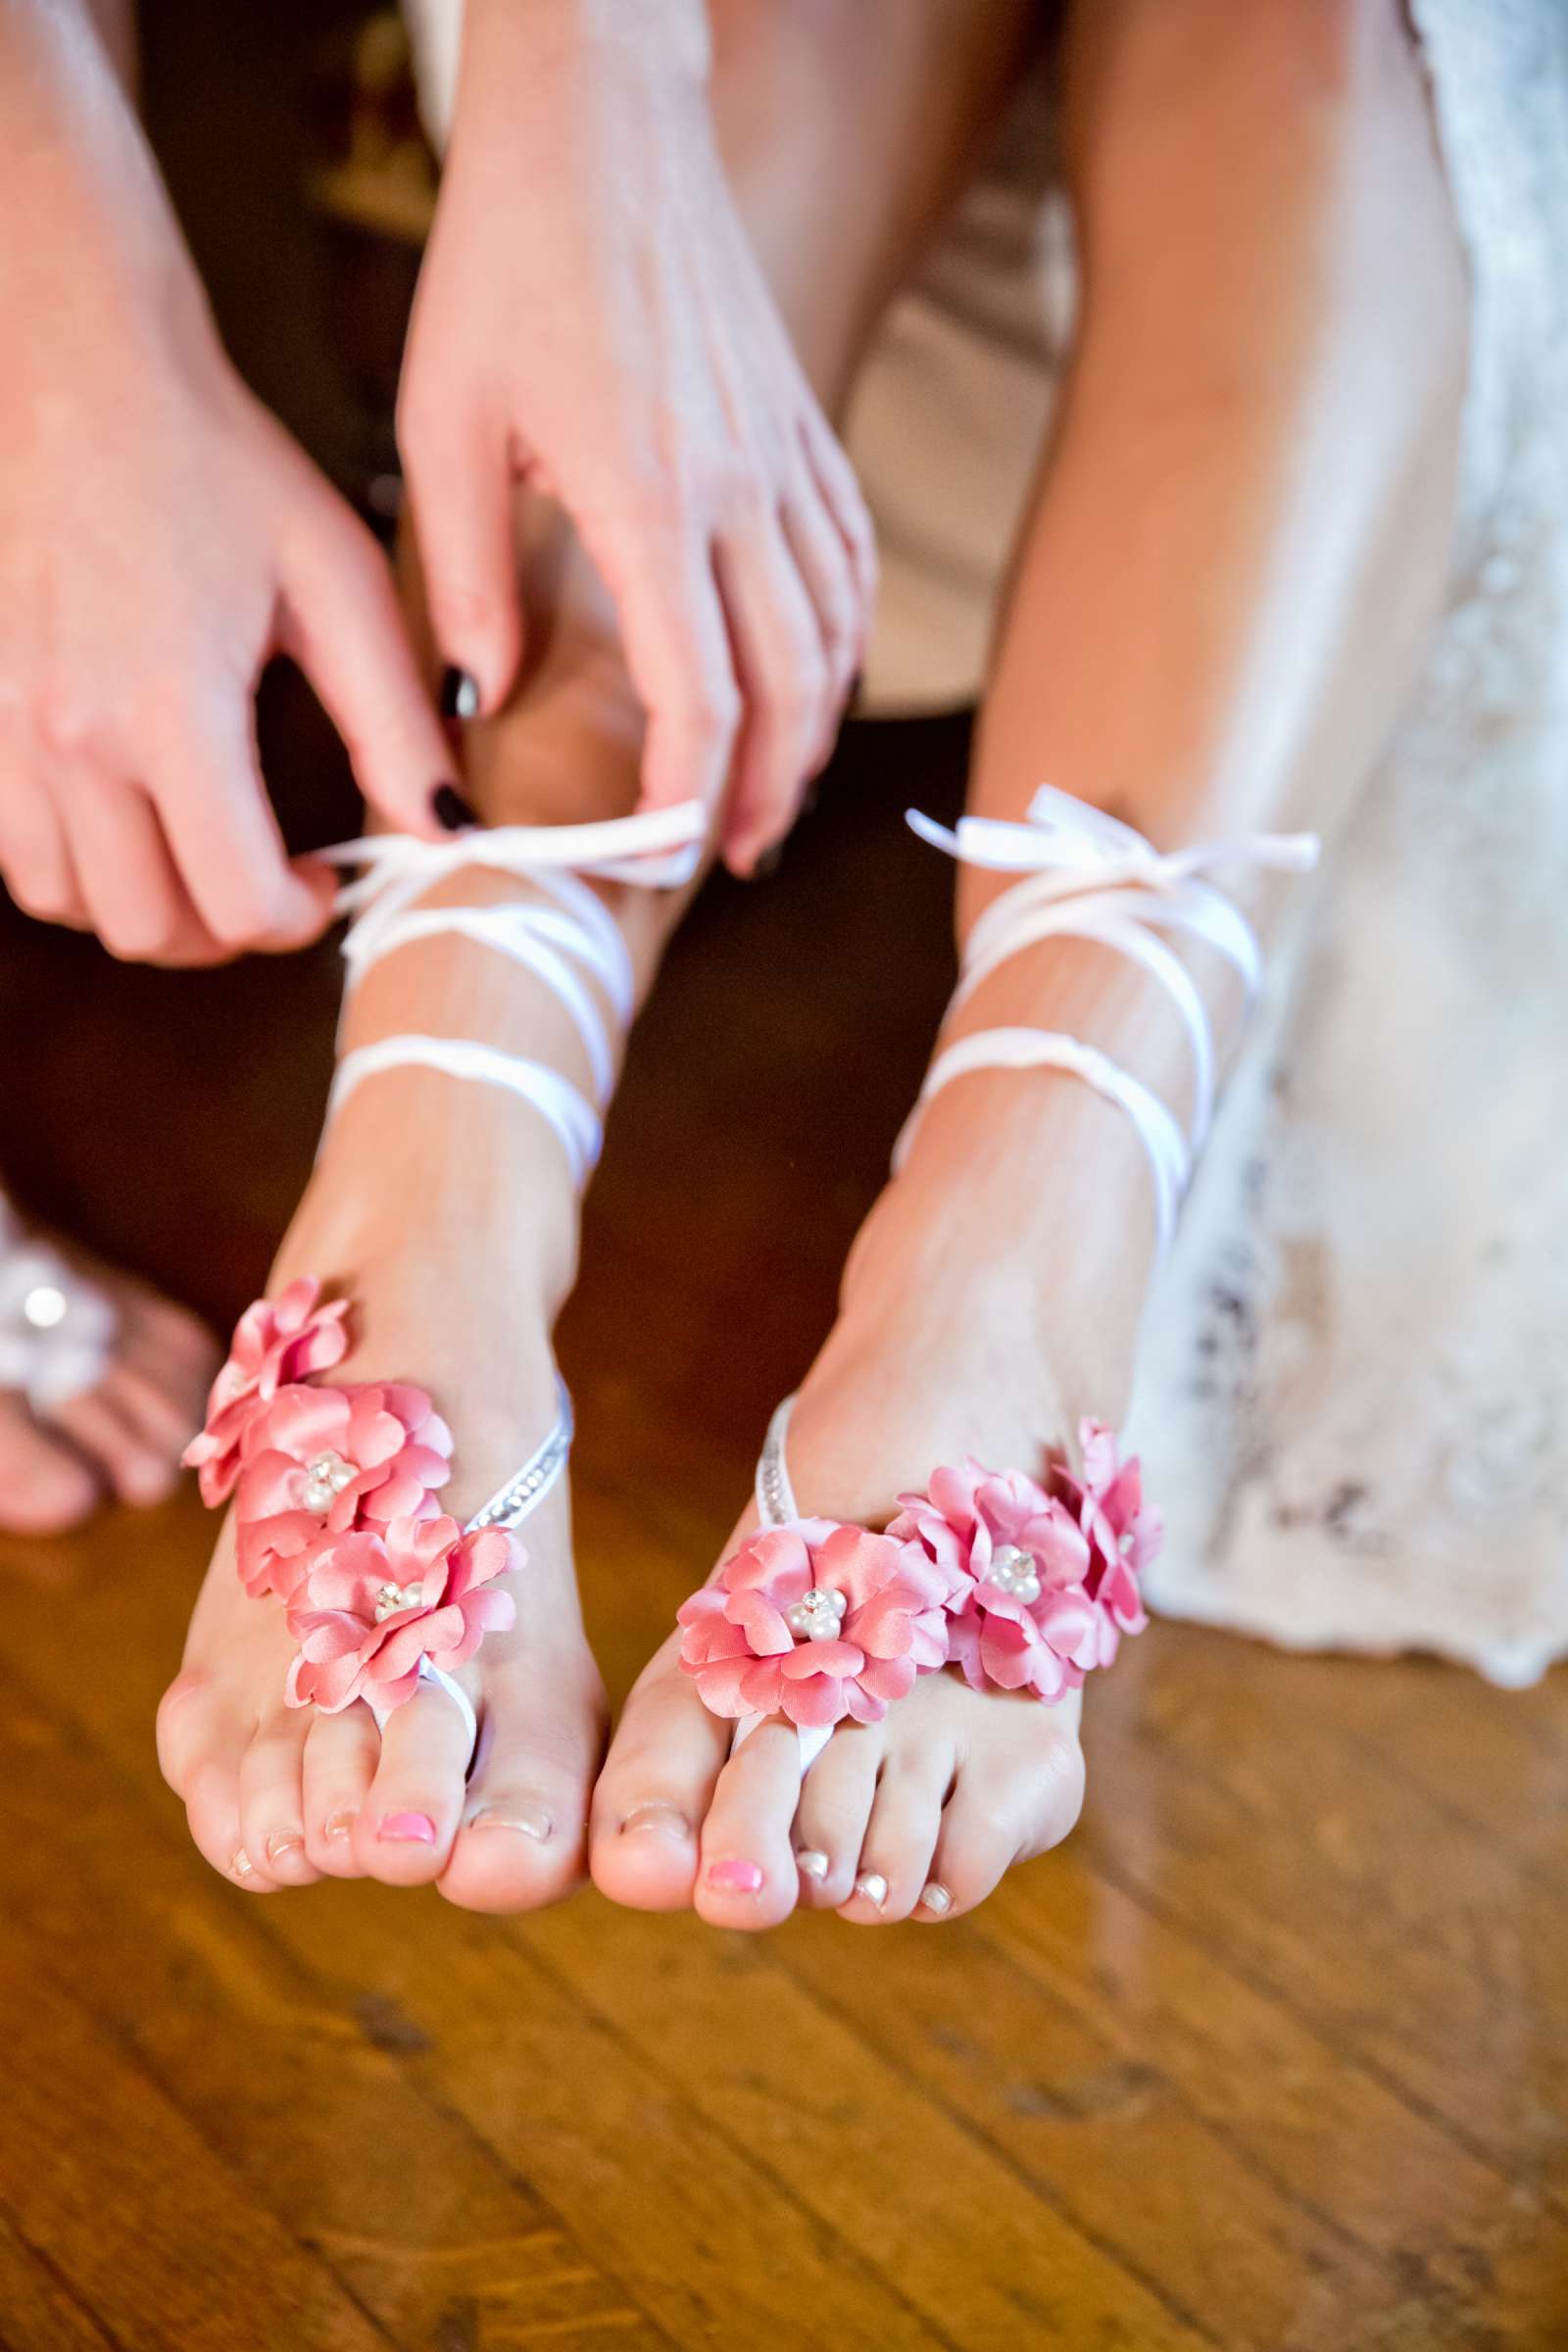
1021 1584
336 1512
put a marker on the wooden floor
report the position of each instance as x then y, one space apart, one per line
1274 2054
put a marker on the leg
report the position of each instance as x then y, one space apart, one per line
1300 296
845 127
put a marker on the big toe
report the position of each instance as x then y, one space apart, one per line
524 1834
655 1791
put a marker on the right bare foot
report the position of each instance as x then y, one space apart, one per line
125 1433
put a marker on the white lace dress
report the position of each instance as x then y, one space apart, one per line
1353 1395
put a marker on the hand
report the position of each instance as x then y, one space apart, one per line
160 536
591 319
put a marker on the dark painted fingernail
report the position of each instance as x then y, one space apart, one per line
451 809
768 864
460 695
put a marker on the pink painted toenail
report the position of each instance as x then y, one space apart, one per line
532 1819
735 1877
407 1829
668 1820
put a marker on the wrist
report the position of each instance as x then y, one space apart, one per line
658 38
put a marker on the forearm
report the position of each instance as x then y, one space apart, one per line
75 165
1239 540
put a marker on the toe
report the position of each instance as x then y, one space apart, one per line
138 1472
901 1836
407 1823
834 1810
748 1876
655 1791
524 1838
1004 1806
271 1800
46 1487
213 1809
341 1754
161 1418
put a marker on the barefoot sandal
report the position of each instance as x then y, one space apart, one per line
1021 1585
57 1329
336 1488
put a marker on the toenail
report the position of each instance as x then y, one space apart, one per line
735 1877
242 1866
339 1825
282 1844
668 1819
936 1897
873 1885
813 1864
407 1829
533 1820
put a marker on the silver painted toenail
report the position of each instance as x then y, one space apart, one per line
242 1866
814 1864
283 1843
873 1885
668 1819
935 1898
338 1824
532 1821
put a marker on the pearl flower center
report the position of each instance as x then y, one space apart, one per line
392 1597
323 1480
1014 1573
818 1615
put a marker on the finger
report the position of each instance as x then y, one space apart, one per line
33 852
836 478
825 570
341 621
126 876
460 481
784 679
207 786
679 651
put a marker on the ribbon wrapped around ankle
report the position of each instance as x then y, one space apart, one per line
1022 1585
1085 847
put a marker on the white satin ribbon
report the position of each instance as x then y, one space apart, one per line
57 1329
775 1506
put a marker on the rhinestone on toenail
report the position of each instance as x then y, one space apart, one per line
45 1306
392 1597
1014 1573
323 1479
818 1615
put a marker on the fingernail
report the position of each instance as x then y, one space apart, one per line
873 1885
813 1865
768 864
735 1877
338 1824
532 1821
242 1865
936 1897
284 1842
451 809
668 1819
407 1829
459 694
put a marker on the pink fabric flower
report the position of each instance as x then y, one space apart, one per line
878 1605
1124 1534
1024 1620
333 1458
371 1603
275 1342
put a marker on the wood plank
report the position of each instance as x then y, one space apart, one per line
37 2307
856 2139
152 2232
301 2086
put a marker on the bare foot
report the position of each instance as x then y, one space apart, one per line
937 1353
123 1435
